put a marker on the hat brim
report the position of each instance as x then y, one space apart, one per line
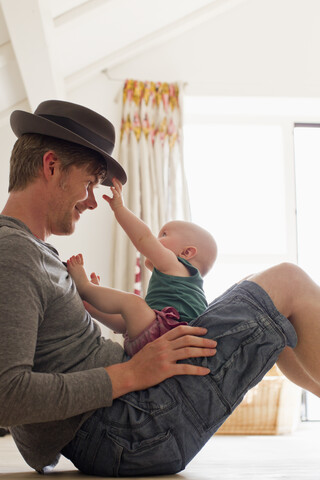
24 122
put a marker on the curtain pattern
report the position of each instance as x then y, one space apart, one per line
151 154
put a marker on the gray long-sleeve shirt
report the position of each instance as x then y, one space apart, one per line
51 352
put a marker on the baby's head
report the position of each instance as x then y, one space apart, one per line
190 241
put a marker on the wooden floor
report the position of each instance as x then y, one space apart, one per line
294 457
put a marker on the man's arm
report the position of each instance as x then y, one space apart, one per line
31 392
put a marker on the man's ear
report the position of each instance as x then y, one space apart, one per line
50 162
188 252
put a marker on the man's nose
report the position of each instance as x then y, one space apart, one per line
91 201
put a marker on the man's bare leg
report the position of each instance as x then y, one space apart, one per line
292 369
297 297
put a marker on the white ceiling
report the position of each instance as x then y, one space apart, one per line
48 46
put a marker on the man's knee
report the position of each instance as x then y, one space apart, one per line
295 277
282 282
278 273
287 270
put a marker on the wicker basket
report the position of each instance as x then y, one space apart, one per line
270 408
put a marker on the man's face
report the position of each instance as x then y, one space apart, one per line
73 194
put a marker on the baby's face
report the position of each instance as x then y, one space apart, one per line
170 237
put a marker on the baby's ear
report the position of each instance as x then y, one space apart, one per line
188 253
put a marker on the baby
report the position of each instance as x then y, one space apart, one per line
181 255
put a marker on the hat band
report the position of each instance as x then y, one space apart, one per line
82 131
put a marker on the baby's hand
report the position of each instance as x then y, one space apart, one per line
116 200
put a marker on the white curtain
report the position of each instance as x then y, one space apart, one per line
152 155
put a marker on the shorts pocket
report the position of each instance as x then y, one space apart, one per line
203 403
132 411
118 456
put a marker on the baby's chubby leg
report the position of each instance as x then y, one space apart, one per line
134 310
75 266
103 298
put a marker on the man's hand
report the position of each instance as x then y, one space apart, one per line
157 361
116 200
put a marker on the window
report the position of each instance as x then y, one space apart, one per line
238 188
253 176
307 162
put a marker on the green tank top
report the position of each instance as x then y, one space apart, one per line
185 294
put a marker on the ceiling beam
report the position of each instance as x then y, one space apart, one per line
31 31
147 42
77 11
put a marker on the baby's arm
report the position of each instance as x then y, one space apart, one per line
140 234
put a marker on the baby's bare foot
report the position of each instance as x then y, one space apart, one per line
77 272
95 279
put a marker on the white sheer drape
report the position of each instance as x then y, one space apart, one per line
151 154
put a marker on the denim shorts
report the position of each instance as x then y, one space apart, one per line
159 430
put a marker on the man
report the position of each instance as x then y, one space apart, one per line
63 388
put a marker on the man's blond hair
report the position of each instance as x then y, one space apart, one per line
27 157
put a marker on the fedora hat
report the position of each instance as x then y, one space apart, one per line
74 123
